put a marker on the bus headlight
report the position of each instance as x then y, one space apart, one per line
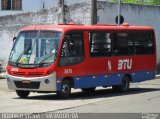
46 81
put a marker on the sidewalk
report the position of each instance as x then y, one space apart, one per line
157 76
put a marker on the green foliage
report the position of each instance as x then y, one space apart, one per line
144 2
156 2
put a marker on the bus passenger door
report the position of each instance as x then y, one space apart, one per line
71 63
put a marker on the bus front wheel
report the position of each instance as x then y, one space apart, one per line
22 94
65 90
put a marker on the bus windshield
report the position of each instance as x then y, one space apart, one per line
35 47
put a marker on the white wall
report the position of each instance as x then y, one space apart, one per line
10 25
29 5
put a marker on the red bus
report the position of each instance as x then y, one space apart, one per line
58 58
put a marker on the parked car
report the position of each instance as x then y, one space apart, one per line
0 68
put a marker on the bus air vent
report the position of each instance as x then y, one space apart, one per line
34 74
18 73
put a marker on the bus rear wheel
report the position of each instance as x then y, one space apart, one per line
65 90
124 86
88 90
22 94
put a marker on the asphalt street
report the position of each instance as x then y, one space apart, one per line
142 97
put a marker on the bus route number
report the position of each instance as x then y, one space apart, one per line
68 71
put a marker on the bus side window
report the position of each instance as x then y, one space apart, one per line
144 43
123 44
100 44
72 49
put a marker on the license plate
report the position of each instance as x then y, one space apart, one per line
26 81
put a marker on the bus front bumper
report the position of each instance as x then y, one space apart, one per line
37 84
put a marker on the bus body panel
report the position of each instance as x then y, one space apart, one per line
32 84
108 80
103 72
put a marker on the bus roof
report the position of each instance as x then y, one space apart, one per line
83 27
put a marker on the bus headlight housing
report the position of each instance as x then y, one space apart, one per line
46 81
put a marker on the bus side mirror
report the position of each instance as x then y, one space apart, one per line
14 39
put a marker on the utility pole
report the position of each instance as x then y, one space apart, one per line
43 5
61 13
93 11
119 12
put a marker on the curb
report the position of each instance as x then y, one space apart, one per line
157 77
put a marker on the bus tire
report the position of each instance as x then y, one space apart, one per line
22 94
88 90
124 86
65 90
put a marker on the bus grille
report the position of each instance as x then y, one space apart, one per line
32 85
35 74
29 74
18 73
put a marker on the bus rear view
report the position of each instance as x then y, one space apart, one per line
58 58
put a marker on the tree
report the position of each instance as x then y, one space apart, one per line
156 2
145 2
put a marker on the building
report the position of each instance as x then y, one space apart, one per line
9 7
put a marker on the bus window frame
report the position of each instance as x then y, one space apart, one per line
111 38
154 45
130 32
83 47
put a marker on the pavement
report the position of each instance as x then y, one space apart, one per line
142 97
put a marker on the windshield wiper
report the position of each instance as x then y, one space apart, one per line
47 57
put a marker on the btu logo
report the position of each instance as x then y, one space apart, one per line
125 64
109 65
